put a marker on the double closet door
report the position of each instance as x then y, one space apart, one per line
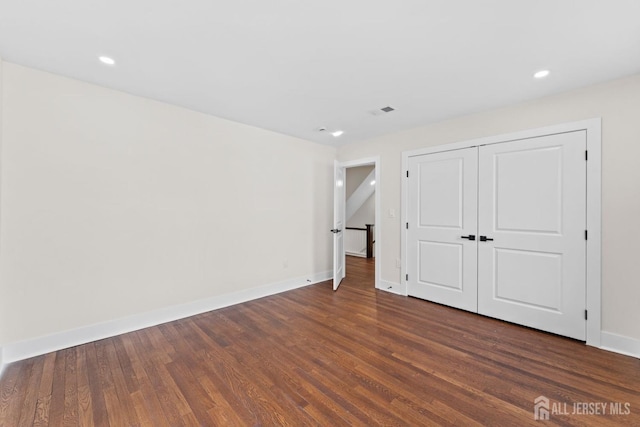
500 230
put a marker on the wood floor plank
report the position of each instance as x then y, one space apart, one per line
28 410
126 365
312 356
46 383
141 413
43 402
13 393
70 417
167 393
125 403
116 416
41 417
222 413
7 390
56 406
96 387
85 408
160 347
150 402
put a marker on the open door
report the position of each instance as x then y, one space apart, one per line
338 224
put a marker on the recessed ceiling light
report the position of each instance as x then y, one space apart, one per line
337 133
541 74
107 60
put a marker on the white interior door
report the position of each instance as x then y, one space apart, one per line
532 204
442 222
338 224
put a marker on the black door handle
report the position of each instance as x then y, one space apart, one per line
335 230
485 239
470 237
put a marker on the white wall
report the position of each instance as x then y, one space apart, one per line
618 103
115 205
2 295
366 214
354 178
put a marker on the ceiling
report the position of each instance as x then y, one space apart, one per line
293 66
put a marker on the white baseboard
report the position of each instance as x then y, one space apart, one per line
358 254
394 288
46 344
620 344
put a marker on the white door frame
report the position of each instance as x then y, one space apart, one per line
368 161
594 201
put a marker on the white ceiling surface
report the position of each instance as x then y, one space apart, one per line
292 65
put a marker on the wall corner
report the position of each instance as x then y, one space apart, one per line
1 362
2 298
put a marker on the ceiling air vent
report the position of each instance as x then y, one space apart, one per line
382 111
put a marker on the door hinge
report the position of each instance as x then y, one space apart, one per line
407 277
586 155
586 235
407 174
407 226
585 315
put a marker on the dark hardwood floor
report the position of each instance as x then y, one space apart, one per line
315 357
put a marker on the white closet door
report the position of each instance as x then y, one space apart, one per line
532 203
442 208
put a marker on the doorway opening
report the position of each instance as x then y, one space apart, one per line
356 215
360 224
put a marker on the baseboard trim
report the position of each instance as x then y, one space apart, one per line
620 344
358 254
394 288
66 339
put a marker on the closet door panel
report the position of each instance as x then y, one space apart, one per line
442 211
532 211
